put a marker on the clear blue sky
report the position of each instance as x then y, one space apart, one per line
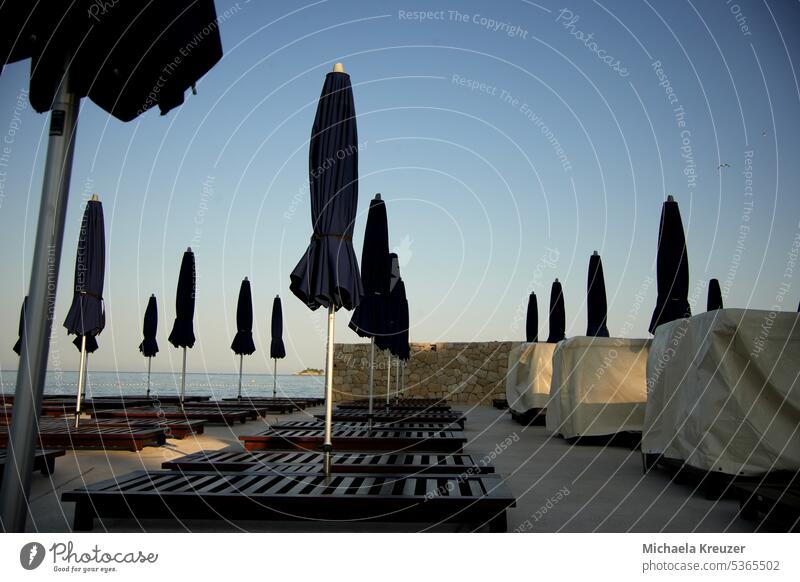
507 152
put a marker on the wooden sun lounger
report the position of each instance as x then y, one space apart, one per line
395 417
94 437
532 416
256 409
44 460
357 440
398 463
210 415
173 428
479 500
394 407
296 404
320 425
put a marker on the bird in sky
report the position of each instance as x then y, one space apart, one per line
723 165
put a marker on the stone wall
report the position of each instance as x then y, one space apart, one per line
467 373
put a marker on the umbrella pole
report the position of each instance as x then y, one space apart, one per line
241 359
149 363
274 378
327 445
388 377
38 323
81 376
371 379
183 377
397 379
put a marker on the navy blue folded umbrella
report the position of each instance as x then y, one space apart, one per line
532 319
242 344
18 345
596 305
558 318
714 300
182 335
86 316
327 274
149 345
277 351
672 268
91 343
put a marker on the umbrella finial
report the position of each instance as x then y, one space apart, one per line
277 296
670 198
338 68
594 254
152 294
245 279
95 198
378 196
556 281
188 249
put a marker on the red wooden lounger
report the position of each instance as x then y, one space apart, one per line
357 440
173 428
94 437
398 463
210 415
320 425
44 460
394 407
396 417
479 500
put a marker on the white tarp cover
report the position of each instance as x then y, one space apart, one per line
723 391
530 366
599 386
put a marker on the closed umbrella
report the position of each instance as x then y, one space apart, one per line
714 296
402 348
277 351
672 268
18 345
370 316
149 345
73 54
532 319
89 347
182 335
388 341
86 316
242 344
596 306
327 274
558 320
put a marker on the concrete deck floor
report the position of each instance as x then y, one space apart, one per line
590 488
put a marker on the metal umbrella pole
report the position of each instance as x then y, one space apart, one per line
38 323
327 445
388 377
149 364
371 379
183 378
81 376
274 378
241 361
397 379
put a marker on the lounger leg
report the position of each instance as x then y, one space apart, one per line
48 467
748 508
499 523
83 519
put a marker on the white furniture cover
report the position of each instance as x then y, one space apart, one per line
599 386
724 392
530 366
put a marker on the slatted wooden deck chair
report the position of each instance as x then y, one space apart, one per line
256 407
357 440
479 500
320 425
44 460
210 415
280 403
395 407
396 417
288 462
94 437
173 428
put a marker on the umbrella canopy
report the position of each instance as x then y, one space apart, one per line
127 58
401 349
558 319
714 296
532 319
182 335
596 306
327 274
91 343
386 340
149 346
370 317
242 344
86 315
18 346
672 268
277 350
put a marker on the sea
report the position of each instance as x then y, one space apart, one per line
217 386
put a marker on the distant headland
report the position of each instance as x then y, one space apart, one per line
310 372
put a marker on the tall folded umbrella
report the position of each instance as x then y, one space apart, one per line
402 350
558 319
86 316
596 306
242 344
149 345
388 341
327 274
18 345
127 59
714 300
370 318
672 268
182 335
277 351
532 319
